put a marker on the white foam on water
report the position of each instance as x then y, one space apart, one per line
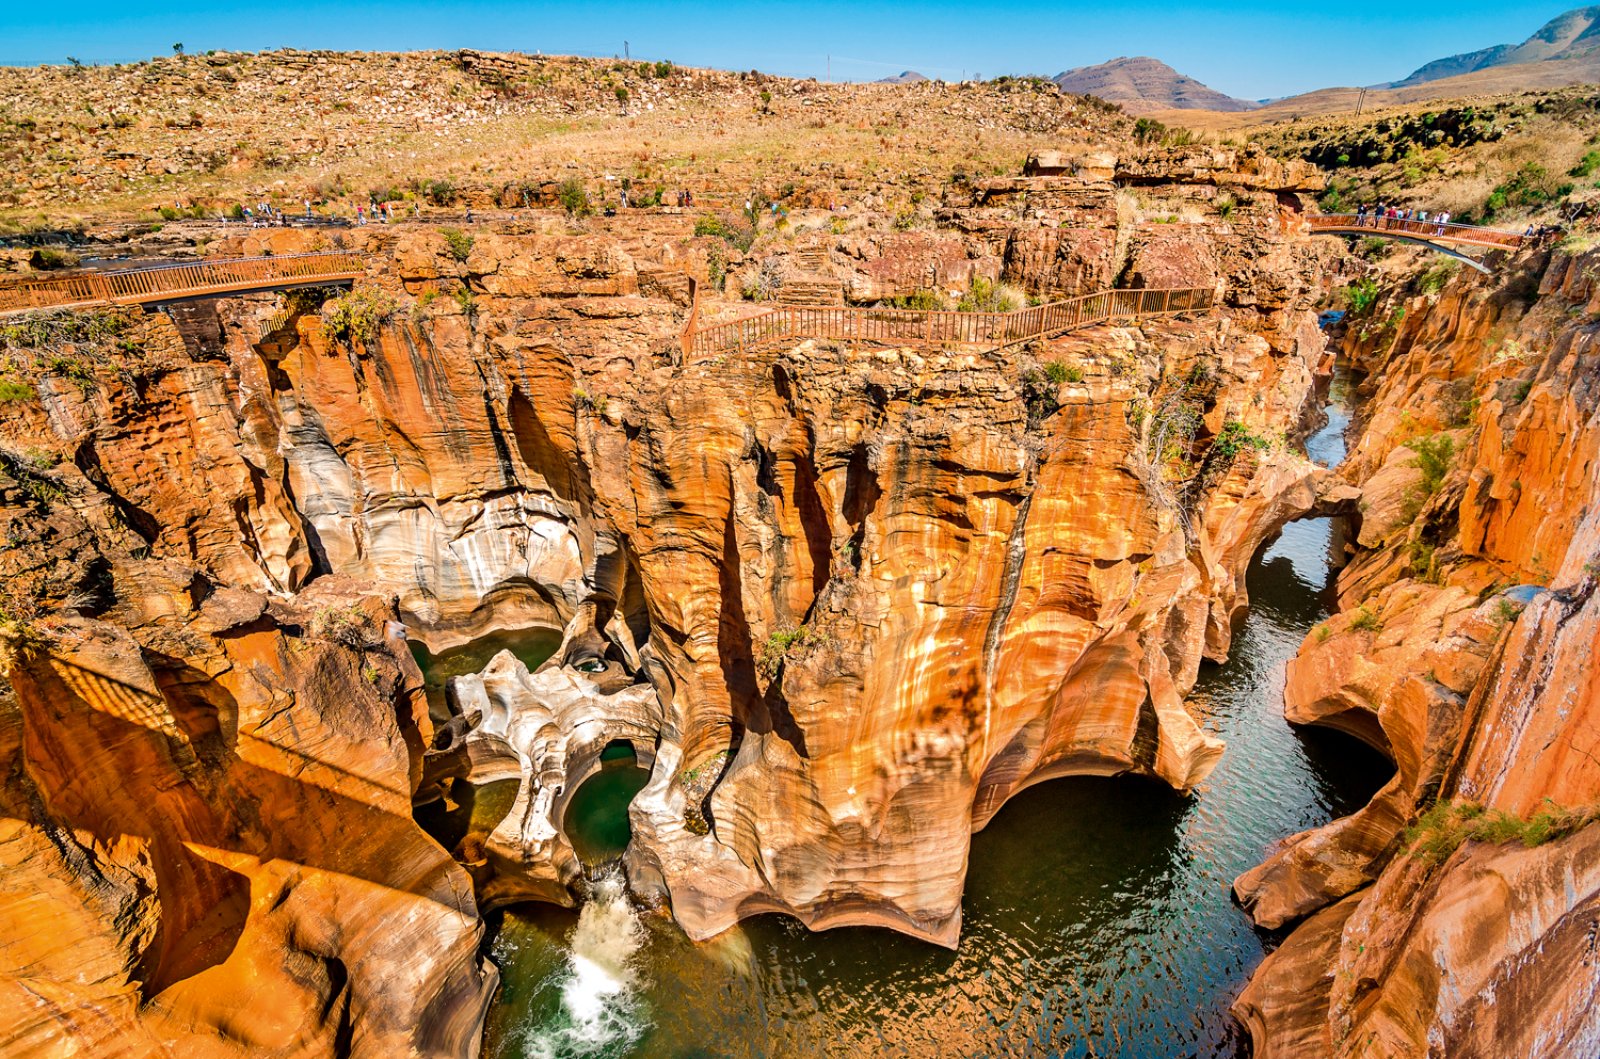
601 1008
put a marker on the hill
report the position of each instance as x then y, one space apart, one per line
1573 35
1142 84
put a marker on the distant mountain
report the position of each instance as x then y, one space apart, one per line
1142 84
908 77
1574 35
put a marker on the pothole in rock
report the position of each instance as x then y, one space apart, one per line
533 647
596 819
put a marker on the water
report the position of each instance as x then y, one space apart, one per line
1098 918
533 646
597 817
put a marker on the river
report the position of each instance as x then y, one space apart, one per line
1097 916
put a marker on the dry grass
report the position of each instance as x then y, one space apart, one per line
339 127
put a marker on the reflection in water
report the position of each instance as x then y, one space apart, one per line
533 646
1098 918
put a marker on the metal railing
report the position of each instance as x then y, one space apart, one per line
1471 234
191 279
915 327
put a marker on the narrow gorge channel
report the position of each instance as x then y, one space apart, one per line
1097 915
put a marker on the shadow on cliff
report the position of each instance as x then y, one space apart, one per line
101 766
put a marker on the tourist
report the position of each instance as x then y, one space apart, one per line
361 215
1361 215
469 214
1443 221
1530 232
1423 216
308 209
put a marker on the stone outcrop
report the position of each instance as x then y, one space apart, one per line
843 601
1464 650
208 838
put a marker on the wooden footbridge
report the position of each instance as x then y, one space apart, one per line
176 282
1447 239
914 327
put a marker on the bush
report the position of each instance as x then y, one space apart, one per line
921 300
357 316
439 191
14 390
1435 454
780 645
1447 826
741 236
1363 620
457 242
1360 296
574 198
986 296
1586 165
1234 439
663 69
49 257
1039 394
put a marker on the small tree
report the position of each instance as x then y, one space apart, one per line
575 198
177 49
622 96
766 101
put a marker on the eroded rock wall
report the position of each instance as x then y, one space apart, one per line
1463 648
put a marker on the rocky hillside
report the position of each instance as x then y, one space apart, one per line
1574 35
1142 84
207 132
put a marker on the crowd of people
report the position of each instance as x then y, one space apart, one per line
1383 215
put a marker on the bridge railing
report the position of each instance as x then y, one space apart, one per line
1459 233
915 327
163 282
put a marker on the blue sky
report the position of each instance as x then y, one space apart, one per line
1247 48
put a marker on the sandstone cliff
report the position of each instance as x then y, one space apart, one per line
843 600
1463 649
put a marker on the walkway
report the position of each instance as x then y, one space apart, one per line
913 327
1429 232
165 283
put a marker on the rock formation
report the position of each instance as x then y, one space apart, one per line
1464 650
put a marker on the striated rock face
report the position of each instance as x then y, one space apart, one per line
844 602
208 836
1464 649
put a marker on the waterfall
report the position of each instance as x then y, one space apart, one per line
601 1008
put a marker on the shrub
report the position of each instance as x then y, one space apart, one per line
1447 826
987 296
357 316
1433 280
344 625
783 643
1226 206
1586 165
13 390
1039 394
50 257
921 300
457 242
1360 296
741 236
468 303
438 190
1520 392
574 198
1234 439
663 69
1435 453
1364 620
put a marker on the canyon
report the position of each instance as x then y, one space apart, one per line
842 599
